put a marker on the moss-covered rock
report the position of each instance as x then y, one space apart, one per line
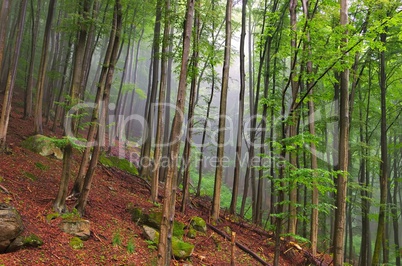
199 224
137 215
120 163
192 233
181 249
153 219
43 145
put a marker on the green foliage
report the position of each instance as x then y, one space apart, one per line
76 243
116 240
131 246
30 176
41 166
151 244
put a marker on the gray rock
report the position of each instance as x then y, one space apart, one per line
150 233
10 226
76 227
16 244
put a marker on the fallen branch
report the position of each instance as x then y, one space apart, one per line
5 190
241 246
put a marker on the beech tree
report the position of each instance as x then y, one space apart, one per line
341 183
169 201
42 70
222 114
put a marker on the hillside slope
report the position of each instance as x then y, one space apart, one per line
32 182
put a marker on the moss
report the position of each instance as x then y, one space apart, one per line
192 233
181 249
228 230
122 164
199 224
33 241
52 216
76 243
137 215
153 219
178 229
30 176
41 166
74 215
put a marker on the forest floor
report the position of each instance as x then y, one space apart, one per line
33 180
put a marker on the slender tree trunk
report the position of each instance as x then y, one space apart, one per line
384 158
35 29
63 84
4 13
166 232
222 115
11 76
40 85
71 127
191 106
239 140
148 129
394 208
341 184
161 104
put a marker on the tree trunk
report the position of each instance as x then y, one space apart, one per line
239 140
191 106
394 208
115 32
161 104
71 127
384 158
222 115
341 184
166 232
4 13
35 29
40 85
148 129
12 73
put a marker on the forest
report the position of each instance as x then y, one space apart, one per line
283 113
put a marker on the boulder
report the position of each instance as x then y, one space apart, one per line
76 227
43 145
25 241
151 233
10 226
198 224
181 249
153 219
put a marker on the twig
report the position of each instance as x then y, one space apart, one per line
5 190
97 237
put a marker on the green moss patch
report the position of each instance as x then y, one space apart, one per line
33 241
76 243
181 249
122 164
